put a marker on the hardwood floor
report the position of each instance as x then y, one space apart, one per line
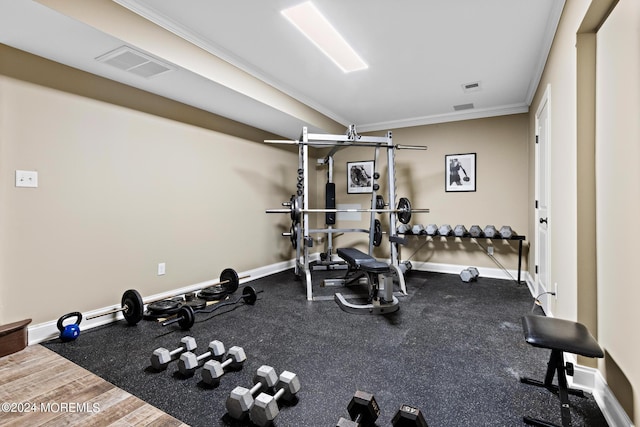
39 387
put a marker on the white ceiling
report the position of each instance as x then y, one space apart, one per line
420 54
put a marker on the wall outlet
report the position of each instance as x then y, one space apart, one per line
26 179
161 268
490 250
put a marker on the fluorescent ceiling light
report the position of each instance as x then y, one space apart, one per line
308 19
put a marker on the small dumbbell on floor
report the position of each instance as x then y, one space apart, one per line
265 407
363 411
469 274
240 400
213 370
189 362
408 416
161 357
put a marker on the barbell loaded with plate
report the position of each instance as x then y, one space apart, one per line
132 305
186 316
403 211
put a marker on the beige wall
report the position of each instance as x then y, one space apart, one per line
120 191
618 199
591 193
501 197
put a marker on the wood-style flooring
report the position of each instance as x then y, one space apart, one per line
38 387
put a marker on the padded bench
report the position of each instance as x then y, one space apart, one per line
380 299
559 336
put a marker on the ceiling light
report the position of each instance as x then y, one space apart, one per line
308 19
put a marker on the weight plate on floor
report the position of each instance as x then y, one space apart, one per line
187 317
404 208
167 306
249 295
133 306
229 280
196 303
212 293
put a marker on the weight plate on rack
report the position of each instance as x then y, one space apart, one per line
404 210
377 233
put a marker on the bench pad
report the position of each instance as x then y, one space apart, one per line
560 334
362 261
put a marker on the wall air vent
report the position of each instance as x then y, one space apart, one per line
141 64
463 107
471 87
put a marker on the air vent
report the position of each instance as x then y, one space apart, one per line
141 64
463 107
471 87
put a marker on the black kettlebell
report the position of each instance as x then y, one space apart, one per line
71 331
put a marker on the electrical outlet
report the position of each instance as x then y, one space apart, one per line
490 250
161 268
27 179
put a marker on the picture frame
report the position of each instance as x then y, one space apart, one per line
360 177
460 172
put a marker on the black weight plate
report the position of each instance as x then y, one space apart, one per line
212 293
249 295
293 235
404 210
196 303
163 307
229 280
187 317
133 306
379 202
295 209
377 233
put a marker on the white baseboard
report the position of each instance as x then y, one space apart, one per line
49 330
494 273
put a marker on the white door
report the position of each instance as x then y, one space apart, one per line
542 200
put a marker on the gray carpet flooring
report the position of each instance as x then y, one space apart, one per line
455 350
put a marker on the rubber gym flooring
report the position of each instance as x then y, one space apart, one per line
455 350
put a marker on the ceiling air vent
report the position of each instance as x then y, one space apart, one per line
463 107
128 59
471 87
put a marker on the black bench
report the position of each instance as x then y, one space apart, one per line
361 264
559 336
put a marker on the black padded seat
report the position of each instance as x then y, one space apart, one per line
559 336
359 260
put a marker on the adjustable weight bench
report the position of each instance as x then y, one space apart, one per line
379 278
559 336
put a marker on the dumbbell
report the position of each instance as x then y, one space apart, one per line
265 407
490 231
469 274
506 232
445 230
363 411
417 229
213 369
460 230
431 230
189 362
241 399
475 231
161 357
408 416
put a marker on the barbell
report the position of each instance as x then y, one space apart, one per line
404 210
132 304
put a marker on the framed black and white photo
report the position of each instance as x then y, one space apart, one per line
360 177
460 172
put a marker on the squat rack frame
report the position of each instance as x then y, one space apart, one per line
303 230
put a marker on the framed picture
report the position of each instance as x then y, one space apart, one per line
460 172
360 177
